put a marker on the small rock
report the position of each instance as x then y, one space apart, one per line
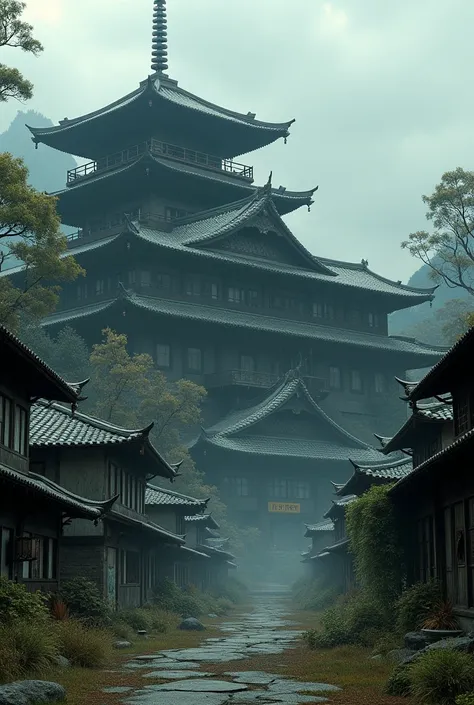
192 624
62 661
212 615
122 644
400 655
28 692
458 643
415 641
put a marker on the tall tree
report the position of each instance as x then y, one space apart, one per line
449 249
17 34
29 232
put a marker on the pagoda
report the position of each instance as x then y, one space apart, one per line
193 261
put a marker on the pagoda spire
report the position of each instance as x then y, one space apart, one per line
159 53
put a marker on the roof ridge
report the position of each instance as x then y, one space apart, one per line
209 212
173 493
93 420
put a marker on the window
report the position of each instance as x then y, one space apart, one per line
180 526
130 567
235 295
289 489
113 480
163 355
5 421
19 430
379 383
252 298
163 281
6 550
247 363
194 360
238 486
193 287
463 409
335 378
300 490
356 381
318 310
44 567
278 489
374 320
173 213
81 292
99 287
132 278
211 289
145 278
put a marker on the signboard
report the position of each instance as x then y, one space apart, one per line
284 507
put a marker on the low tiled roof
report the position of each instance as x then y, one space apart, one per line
218 552
203 313
149 526
338 547
338 503
74 504
389 471
217 542
327 525
159 496
206 519
41 378
192 553
52 425
435 412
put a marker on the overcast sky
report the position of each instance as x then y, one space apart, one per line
381 92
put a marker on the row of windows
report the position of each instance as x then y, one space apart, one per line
195 287
277 489
13 426
356 381
131 490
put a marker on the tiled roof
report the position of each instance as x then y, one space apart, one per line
327 525
160 496
217 542
433 412
390 470
206 519
78 506
254 321
218 552
146 525
436 411
43 380
52 424
192 553
338 547
338 503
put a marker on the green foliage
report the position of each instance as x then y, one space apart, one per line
415 604
16 603
449 249
15 33
231 589
32 647
85 602
89 647
387 642
120 629
466 699
440 675
138 618
354 620
374 540
191 602
399 683
314 594
29 232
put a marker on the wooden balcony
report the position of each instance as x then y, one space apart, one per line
159 149
256 380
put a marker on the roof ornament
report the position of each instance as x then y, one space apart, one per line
364 262
268 186
159 53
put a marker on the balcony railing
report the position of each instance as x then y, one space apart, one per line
161 149
116 225
259 380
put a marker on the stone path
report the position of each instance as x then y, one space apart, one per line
261 632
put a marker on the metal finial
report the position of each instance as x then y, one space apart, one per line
159 54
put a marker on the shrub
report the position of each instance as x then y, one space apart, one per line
121 629
415 604
399 682
386 643
138 618
27 648
314 594
17 603
168 597
89 647
85 602
440 675
232 589
466 699
223 606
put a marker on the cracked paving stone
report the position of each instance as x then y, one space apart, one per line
288 686
253 677
166 663
150 698
176 675
205 686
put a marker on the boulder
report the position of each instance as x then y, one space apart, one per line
31 692
400 655
415 641
62 661
458 643
122 644
192 624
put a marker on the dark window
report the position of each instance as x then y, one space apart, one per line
380 383
130 567
318 310
194 360
145 278
5 421
180 526
356 381
211 289
288 489
300 490
193 287
278 489
374 321
99 287
44 566
247 363
163 281
252 298
6 553
335 378
238 486
163 355
235 295
114 483
20 430
81 291
173 213
462 403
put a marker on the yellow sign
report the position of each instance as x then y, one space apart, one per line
284 507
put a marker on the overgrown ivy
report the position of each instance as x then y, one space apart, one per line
375 544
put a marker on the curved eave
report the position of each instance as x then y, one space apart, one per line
233 133
204 314
136 176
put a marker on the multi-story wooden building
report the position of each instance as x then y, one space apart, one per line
194 262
